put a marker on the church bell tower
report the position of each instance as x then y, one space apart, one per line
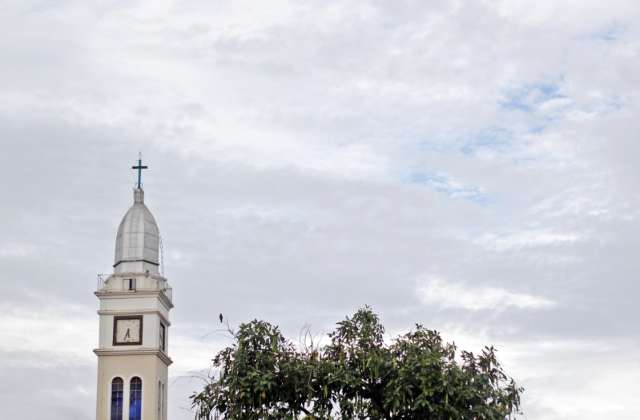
133 349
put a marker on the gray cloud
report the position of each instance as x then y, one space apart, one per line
310 159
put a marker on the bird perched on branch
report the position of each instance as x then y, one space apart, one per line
221 318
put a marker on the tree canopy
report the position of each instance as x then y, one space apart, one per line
355 375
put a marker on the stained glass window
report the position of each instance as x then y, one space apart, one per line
135 399
116 398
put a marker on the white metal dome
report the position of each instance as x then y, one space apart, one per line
138 239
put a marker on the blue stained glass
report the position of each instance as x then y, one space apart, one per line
116 398
135 399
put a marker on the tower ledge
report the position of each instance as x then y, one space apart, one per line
123 284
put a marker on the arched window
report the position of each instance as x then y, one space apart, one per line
135 399
116 398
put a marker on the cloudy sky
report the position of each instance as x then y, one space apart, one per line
472 166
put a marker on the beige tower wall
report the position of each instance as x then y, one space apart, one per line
150 368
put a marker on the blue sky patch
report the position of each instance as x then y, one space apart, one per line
444 184
608 33
527 97
493 139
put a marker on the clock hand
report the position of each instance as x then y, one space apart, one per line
127 335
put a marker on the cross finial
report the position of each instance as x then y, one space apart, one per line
139 168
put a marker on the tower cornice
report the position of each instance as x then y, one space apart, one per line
162 297
135 312
135 352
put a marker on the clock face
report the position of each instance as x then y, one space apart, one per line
127 330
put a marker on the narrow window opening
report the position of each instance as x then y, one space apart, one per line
164 402
130 284
163 338
160 402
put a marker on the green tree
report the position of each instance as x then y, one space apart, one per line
356 375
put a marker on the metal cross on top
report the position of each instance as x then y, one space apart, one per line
139 168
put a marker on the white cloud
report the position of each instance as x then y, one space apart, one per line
55 332
525 239
447 294
16 250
